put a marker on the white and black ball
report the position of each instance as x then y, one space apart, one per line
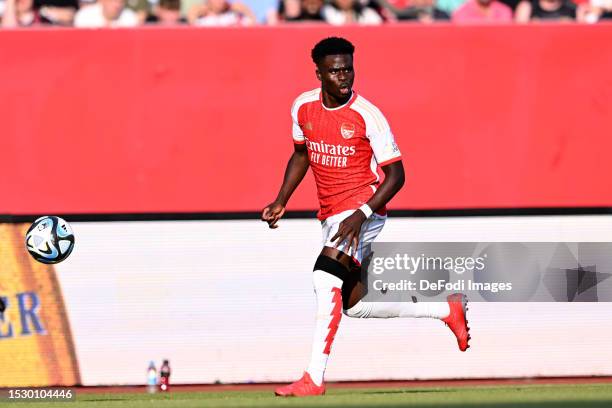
49 240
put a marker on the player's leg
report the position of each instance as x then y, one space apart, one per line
327 279
354 291
452 312
331 268
328 276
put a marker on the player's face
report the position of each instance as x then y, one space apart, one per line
337 75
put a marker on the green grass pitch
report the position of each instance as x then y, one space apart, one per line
562 396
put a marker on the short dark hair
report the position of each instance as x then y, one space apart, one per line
331 46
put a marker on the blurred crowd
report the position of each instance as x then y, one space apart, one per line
130 13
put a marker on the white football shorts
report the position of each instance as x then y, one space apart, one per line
369 231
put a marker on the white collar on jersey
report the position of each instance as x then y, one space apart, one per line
338 107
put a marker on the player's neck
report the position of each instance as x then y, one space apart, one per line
331 102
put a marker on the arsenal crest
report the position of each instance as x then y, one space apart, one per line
347 130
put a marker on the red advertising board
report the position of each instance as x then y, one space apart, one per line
197 120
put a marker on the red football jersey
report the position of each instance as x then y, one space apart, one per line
345 146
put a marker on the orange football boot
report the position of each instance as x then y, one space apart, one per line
301 388
456 320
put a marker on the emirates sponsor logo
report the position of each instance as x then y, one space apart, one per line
347 130
336 150
329 155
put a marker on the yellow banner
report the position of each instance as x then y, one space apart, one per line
36 347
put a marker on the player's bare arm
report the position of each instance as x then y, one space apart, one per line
394 180
294 174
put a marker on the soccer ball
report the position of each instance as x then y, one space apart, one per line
49 240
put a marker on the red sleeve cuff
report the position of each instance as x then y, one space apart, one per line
300 142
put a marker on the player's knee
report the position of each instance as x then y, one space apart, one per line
359 310
331 266
351 289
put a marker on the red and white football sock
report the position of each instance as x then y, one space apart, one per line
385 310
328 289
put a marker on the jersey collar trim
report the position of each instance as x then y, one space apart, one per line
351 99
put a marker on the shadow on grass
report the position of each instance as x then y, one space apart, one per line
409 391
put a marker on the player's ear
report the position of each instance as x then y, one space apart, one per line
318 74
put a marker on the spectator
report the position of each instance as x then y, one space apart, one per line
20 13
603 7
449 6
512 4
544 10
297 11
261 8
221 13
142 8
423 11
376 6
594 11
167 12
106 13
340 12
57 12
312 10
483 11
26 13
287 10
393 10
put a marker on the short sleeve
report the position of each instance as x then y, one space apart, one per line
379 133
305 98
298 134
383 144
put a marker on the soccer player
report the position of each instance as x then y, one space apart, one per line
344 137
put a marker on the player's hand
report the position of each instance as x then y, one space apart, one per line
272 213
349 230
